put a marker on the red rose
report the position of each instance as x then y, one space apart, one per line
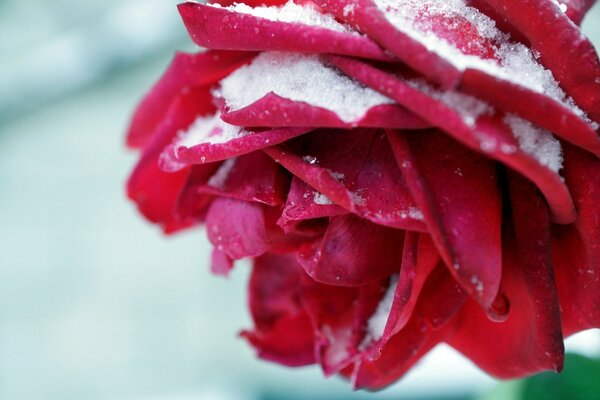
403 173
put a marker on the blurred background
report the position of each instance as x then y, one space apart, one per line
94 302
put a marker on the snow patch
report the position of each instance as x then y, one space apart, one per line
292 13
537 142
303 78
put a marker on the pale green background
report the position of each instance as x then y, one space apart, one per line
94 302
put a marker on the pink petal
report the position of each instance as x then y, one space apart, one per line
486 134
447 180
562 47
355 170
283 332
353 252
219 28
576 248
185 71
530 340
220 264
278 112
237 228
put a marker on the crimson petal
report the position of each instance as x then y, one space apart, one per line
220 28
154 191
562 47
355 170
483 133
278 112
446 180
301 205
422 332
252 177
339 315
283 332
185 71
530 340
353 252
576 247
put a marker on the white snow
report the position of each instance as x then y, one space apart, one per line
537 142
208 129
292 13
514 61
219 179
470 108
303 78
377 322
321 199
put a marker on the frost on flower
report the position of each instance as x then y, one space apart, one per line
401 174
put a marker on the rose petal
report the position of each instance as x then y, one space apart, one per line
338 315
215 147
353 252
530 340
278 112
447 180
221 28
355 170
576 248
283 332
561 45
451 43
237 228
419 336
252 177
469 123
301 205
154 191
220 264
185 71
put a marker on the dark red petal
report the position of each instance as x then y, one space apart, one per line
423 331
353 252
463 35
460 198
419 258
576 248
251 177
278 112
283 332
237 228
355 170
219 28
154 191
370 20
547 113
186 71
530 340
562 47
301 206
192 204
339 315
487 134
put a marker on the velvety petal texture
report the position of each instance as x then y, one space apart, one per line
400 173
